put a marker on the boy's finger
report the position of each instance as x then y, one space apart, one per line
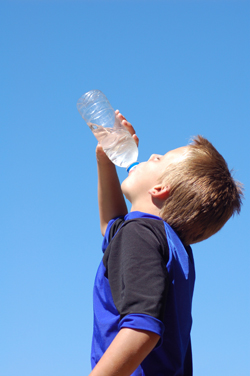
120 116
136 139
126 124
129 126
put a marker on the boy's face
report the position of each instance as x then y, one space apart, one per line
147 174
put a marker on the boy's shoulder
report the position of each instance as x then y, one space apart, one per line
138 229
144 229
135 239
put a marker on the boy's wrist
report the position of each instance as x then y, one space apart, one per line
101 157
104 162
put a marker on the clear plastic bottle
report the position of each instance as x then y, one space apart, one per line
116 141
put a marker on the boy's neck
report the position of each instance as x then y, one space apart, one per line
146 208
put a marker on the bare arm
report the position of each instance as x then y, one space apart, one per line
110 198
129 348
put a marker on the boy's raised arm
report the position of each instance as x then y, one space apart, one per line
110 198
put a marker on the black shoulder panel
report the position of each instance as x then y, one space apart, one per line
135 262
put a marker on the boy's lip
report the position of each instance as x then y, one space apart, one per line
133 167
131 171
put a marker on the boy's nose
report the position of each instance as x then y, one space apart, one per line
153 156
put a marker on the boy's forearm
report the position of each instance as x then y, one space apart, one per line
110 198
129 348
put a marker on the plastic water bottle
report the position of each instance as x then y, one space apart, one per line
116 141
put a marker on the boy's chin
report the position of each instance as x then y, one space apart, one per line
123 186
125 190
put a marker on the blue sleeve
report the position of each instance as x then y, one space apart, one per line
142 322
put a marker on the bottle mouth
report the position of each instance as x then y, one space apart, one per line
132 166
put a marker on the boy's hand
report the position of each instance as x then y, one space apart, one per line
101 157
128 126
100 154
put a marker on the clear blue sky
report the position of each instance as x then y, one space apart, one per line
175 69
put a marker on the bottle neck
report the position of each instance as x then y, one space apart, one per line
132 166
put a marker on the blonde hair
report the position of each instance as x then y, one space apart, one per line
203 193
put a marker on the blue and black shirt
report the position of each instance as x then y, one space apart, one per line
145 281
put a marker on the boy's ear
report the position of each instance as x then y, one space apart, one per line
160 192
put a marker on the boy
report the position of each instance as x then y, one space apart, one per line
144 285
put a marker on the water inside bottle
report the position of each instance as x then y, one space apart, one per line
118 144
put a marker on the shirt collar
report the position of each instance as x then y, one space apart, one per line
138 214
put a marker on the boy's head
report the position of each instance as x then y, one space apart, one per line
192 188
203 194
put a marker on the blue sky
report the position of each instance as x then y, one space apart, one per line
175 69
